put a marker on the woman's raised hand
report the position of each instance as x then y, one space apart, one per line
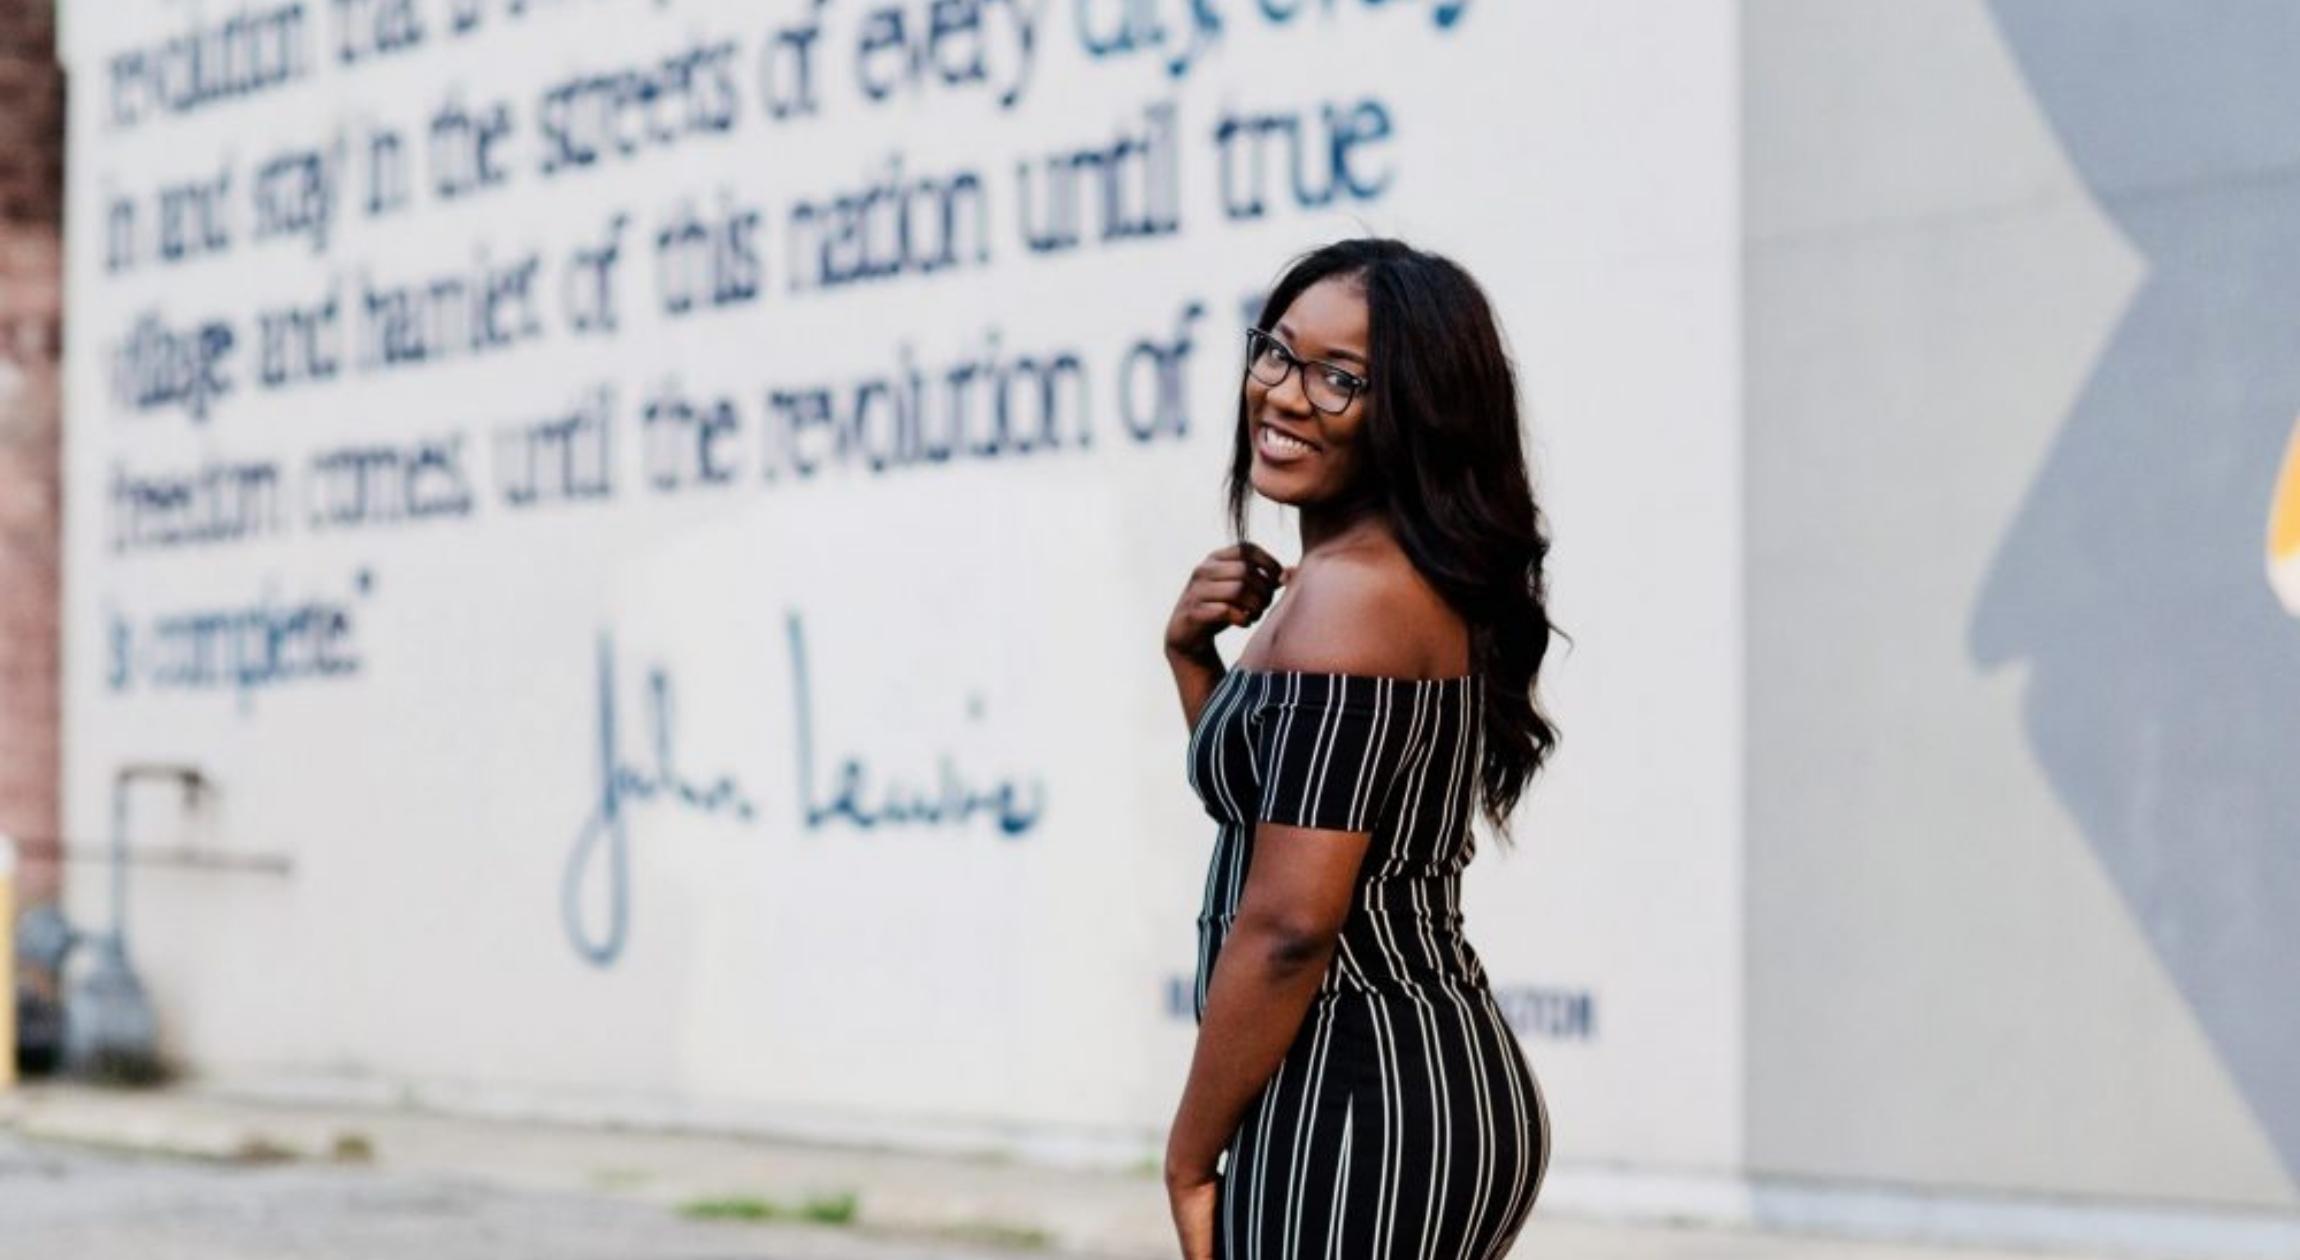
1230 587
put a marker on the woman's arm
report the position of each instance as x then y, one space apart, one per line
1296 897
1195 677
1299 884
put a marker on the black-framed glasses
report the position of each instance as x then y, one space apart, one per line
1330 387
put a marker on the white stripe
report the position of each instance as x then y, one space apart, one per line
1305 1127
1518 1202
1341 1200
1365 796
1266 1110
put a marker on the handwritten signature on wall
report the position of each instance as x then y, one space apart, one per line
845 792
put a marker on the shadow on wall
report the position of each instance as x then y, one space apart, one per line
2164 694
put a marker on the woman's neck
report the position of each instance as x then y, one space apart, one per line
1337 526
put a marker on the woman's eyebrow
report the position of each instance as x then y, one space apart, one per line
1288 333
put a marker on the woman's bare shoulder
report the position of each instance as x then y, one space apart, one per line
1364 611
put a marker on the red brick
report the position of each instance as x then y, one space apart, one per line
31 201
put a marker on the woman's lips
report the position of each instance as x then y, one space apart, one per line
1278 448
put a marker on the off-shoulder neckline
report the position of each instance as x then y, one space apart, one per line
1316 673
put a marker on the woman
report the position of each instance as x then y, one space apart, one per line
1355 1091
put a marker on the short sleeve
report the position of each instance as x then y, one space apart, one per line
1329 748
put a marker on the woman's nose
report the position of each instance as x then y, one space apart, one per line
1290 394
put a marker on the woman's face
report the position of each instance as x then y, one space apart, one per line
1327 321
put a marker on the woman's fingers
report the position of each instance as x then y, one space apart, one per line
1254 558
1221 612
1245 590
1233 586
1241 589
1238 573
1265 575
1225 612
1255 553
1250 600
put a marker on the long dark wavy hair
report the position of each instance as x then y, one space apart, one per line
1442 457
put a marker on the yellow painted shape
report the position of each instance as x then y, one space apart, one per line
2284 512
2284 529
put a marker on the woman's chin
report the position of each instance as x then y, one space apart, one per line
1273 484
1280 486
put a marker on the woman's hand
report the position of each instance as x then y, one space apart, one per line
1192 1198
1230 587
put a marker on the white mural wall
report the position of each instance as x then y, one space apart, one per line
656 518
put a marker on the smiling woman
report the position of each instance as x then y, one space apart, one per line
1356 1088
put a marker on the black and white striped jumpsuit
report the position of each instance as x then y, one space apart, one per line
1404 1121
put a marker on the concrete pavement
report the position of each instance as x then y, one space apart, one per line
63 1202
269 1180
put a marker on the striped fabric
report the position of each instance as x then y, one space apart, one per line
1404 1121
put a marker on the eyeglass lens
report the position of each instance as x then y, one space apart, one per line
1328 388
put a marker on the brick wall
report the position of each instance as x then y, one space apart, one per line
31 310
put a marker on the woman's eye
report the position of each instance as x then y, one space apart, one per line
1340 380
